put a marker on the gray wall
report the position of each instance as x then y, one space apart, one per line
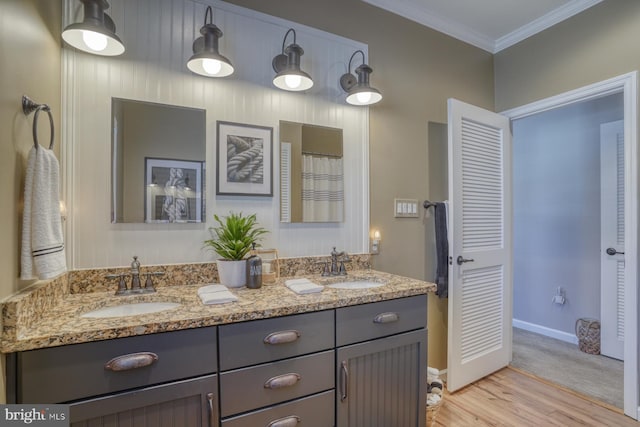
597 44
556 198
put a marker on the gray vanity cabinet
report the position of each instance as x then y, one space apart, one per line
133 381
382 382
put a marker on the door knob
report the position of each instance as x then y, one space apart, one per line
461 260
612 251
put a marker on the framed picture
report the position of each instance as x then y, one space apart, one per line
173 190
244 160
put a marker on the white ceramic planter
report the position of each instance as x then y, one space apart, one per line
232 274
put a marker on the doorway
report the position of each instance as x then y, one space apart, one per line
568 270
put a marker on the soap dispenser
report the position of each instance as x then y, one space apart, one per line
254 270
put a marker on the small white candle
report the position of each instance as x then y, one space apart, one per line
266 267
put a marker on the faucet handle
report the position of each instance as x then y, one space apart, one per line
122 285
325 269
343 270
148 284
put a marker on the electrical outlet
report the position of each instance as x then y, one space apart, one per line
558 298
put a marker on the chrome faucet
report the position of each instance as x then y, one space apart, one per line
341 270
136 285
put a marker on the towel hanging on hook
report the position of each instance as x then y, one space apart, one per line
28 107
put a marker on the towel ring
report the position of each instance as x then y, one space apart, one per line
28 106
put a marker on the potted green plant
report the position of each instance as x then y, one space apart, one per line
232 239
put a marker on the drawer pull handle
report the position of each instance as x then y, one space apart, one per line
127 362
212 411
282 337
281 381
285 422
344 381
389 317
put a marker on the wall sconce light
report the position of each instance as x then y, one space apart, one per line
287 66
96 33
63 211
359 91
206 59
375 242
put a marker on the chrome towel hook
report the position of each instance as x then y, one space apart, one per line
28 107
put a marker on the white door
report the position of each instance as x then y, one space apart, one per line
480 271
612 279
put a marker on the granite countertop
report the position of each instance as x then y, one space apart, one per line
62 324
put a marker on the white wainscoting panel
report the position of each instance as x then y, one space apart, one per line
158 35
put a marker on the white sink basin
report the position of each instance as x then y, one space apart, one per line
356 284
134 309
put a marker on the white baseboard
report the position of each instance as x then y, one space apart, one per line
543 330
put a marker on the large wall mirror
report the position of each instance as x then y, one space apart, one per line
311 173
158 163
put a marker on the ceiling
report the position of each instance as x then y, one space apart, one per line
492 25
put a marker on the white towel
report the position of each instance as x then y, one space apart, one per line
303 286
42 254
216 294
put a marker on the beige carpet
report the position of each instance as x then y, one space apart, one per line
563 363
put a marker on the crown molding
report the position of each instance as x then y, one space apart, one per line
413 12
550 19
437 22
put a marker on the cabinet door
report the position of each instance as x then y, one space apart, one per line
382 383
190 403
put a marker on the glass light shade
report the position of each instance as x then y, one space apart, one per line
210 65
363 95
93 40
293 80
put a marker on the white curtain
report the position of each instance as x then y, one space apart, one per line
322 189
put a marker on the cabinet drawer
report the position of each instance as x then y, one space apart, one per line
364 322
260 341
312 411
71 372
263 385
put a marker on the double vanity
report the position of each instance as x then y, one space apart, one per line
351 355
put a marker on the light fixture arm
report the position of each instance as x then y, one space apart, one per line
208 14
210 32
352 56
284 40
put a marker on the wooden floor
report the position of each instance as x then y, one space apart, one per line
513 398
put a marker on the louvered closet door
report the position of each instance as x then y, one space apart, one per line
612 266
480 278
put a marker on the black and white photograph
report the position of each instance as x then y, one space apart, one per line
244 159
173 190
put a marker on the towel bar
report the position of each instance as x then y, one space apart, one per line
427 204
28 107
